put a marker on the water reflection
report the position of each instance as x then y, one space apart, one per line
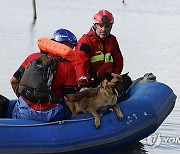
136 148
34 21
32 38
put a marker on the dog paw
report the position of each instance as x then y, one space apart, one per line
97 124
120 117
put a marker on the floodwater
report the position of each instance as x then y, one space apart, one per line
148 32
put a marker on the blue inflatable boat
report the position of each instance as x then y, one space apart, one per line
147 106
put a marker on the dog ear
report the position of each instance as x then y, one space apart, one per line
125 75
108 76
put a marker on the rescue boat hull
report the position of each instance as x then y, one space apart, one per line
148 105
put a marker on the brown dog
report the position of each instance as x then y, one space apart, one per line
107 93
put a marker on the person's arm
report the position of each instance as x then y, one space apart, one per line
118 61
90 92
16 78
14 84
82 51
70 86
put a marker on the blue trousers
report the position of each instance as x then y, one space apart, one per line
23 111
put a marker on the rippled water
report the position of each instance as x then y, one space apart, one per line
148 32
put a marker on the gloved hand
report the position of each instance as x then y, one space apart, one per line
83 82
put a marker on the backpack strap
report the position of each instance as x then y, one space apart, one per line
53 92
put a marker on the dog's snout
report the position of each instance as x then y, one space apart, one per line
118 89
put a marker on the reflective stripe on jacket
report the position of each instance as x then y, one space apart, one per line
107 58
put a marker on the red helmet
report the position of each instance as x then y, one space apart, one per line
103 17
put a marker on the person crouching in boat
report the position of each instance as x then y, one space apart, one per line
63 82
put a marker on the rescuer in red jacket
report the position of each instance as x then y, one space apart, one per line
63 84
98 51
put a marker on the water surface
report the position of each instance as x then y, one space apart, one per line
148 32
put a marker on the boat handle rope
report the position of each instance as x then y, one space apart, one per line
50 123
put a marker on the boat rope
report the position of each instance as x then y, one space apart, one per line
50 123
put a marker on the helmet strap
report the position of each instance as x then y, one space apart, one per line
94 26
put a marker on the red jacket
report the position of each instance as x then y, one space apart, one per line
96 55
64 77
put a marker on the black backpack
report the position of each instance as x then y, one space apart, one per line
36 81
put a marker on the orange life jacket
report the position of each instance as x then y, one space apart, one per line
57 49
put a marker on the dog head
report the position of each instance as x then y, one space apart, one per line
113 84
